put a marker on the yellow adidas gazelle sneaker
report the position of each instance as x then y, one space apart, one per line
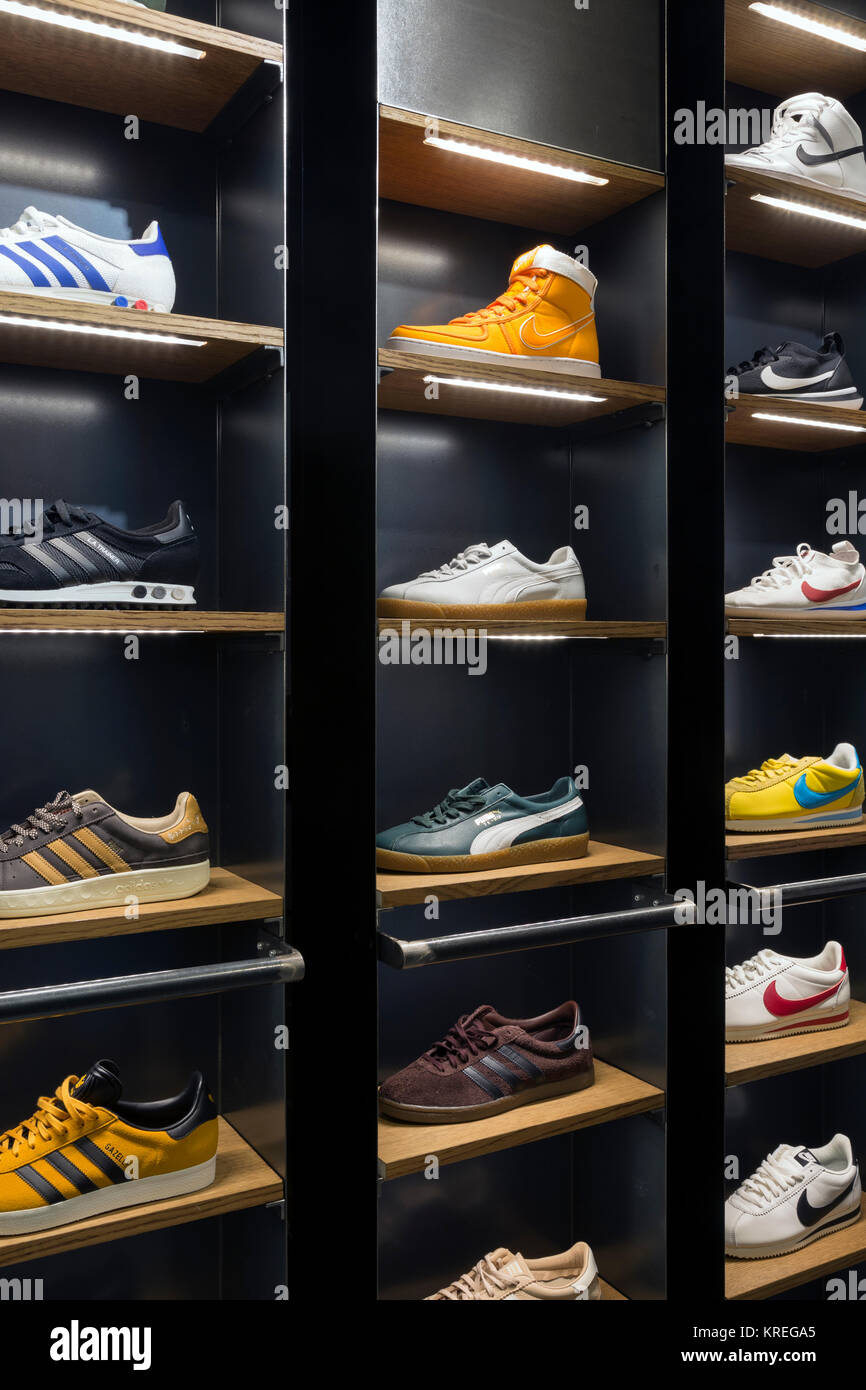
85 1151
797 793
546 317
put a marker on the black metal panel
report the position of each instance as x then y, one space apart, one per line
583 78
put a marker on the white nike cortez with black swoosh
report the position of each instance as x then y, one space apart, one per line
815 142
793 371
796 1196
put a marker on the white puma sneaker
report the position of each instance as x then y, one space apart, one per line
773 995
796 1196
814 141
491 581
808 582
48 255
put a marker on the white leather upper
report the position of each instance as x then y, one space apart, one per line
495 574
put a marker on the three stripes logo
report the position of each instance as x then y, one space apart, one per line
36 260
498 1080
68 558
72 859
76 1177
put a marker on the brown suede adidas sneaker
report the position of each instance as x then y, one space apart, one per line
503 1277
487 1063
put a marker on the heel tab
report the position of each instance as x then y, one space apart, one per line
192 821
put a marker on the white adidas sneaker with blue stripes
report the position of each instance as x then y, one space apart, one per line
47 255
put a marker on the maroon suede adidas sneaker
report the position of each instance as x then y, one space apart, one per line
487 1063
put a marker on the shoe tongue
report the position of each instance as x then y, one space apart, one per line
525 262
512 1265
475 788
794 347
101 1085
795 1156
844 551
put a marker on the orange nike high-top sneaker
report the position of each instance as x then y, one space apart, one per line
546 316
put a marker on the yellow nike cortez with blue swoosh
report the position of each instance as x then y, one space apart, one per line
85 1151
797 793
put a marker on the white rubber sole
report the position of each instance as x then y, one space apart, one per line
145 885
98 594
123 1194
817 822
809 1022
786 175
568 366
787 1247
852 402
85 296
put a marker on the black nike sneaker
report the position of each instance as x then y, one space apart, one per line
71 556
795 372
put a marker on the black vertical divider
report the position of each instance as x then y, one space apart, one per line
331 353
695 441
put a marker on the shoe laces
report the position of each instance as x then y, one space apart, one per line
485 1278
772 1179
31 220
49 817
456 804
467 1038
794 120
52 1118
762 356
517 296
767 771
472 555
786 569
59 516
764 963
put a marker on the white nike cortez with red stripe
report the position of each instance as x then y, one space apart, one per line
772 995
796 1196
808 582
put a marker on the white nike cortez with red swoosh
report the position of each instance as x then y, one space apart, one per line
808 582
796 1196
772 995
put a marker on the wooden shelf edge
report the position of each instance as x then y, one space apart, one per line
509 627
753 1061
243 1180
404 1148
131 620
760 846
512 373
227 898
172 26
611 1295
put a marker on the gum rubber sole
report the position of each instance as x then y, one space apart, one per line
452 1115
766 1253
761 1035
132 1193
533 852
108 890
546 610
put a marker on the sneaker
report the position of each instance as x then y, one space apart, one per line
773 995
808 582
794 372
72 556
814 141
47 255
85 1151
484 827
797 793
501 1276
486 581
78 852
487 1063
545 317
796 1196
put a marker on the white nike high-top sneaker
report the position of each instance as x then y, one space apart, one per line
796 1196
814 141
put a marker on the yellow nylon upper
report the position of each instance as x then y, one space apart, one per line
767 792
541 314
61 1120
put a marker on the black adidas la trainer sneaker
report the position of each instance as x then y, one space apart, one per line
795 372
72 556
78 852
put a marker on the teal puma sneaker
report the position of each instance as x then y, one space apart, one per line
484 827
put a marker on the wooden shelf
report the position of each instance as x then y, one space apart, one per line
403 388
758 846
757 1279
32 345
778 234
785 433
773 57
601 863
403 1148
611 1295
227 898
754 1060
243 1179
807 625
411 171
131 620
508 627
67 65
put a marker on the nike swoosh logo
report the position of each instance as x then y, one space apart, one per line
531 338
810 1216
791 383
812 159
780 1007
824 595
809 799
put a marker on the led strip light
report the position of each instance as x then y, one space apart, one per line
824 214
810 26
813 424
98 29
514 161
95 330
513 390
